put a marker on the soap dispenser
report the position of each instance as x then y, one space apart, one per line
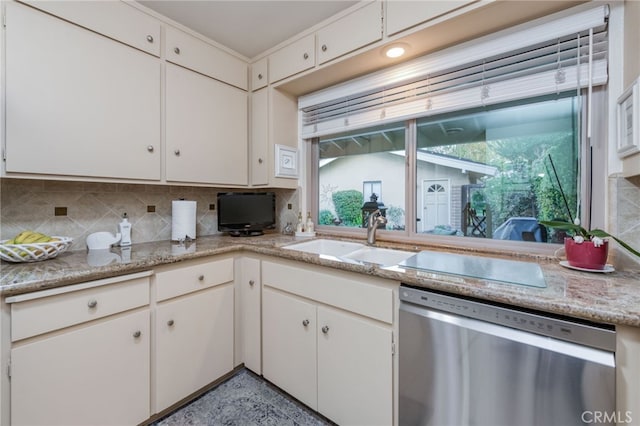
124 228
309 223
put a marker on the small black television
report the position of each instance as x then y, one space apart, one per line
246 213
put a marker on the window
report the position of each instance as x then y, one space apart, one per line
371 187
496 172
351 166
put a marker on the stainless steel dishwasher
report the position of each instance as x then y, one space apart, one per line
466 362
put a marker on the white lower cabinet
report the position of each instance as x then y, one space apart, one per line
194 343
289 344
355 382
335 361
248 314
91 369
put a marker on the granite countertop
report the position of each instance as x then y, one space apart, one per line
610 298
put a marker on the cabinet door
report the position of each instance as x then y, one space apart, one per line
403 14
259 137
259 74
292 59
289 344
194 343
78 103
249 290
206 129
96 375
356 30
355 367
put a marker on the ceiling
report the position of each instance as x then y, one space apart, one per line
249 27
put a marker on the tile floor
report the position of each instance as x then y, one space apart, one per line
244 399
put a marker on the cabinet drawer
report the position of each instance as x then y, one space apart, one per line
188 51
114 19
371 296
259 74
356 30
292 59
48 313
193 277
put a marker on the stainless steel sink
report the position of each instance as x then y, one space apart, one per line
351 252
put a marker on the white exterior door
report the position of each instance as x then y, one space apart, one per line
435 203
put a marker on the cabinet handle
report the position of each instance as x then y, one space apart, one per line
170 323
305 322
177 50
325 329
306 55
137 334
92 303
324 47
201 278
259 76
150 148
251 282
177 152
259 160
150 38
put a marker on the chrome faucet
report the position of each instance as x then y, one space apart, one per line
374 219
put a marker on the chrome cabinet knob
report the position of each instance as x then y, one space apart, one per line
150 148
251 282
305 322
201 278
170 323
306 55
259 76
137 334
325 329
92 303
260 160
150 38
177 152
176 50
324 47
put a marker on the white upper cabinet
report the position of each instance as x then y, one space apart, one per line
404 14
259 74
292 59
78 103
190 52
258 157
351 32
206 129
114 19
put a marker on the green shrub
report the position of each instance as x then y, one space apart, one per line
325 217
348 206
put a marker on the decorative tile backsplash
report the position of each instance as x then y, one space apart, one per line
624 220
77 209
92 207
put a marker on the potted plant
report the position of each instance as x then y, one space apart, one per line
586 249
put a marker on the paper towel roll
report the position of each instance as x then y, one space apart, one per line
183 220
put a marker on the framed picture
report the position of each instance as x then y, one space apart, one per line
629 121
286 162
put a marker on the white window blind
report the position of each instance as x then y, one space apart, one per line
532 60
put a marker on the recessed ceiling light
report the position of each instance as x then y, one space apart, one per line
395 50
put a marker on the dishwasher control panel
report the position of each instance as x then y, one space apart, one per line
601 337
